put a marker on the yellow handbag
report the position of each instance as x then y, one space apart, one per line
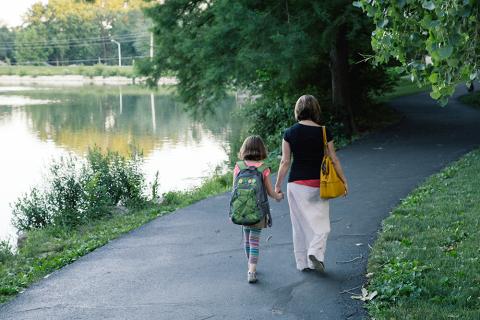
331 186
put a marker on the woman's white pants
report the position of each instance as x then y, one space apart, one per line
310 223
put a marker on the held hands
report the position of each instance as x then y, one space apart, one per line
278 194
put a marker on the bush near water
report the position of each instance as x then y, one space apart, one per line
77 191
53 241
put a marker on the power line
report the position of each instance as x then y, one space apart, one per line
26 46
81 40
122 40
77 60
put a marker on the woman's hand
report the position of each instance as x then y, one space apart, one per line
278 189
346 189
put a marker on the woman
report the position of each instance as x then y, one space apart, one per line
308 212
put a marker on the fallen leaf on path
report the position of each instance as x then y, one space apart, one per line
365 295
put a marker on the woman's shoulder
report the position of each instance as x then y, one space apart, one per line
293 128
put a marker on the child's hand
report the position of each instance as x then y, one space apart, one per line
279 196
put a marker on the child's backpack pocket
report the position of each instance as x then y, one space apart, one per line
244 209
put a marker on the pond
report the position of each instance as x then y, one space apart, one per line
40 124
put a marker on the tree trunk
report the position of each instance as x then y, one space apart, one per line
341 98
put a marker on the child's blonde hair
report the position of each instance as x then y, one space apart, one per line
253 149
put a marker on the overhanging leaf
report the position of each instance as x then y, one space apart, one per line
357 4
445 52
433 77
429 5
383 23
435 95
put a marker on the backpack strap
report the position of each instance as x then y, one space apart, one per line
262 168
241 165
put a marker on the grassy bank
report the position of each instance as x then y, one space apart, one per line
404 87
425 263
472 99
88 71
44 92
48 249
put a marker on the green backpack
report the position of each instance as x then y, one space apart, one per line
249 202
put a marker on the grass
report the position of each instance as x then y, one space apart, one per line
51 248
404 87
426 261
472 99
89 71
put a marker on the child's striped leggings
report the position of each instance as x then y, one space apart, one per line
252 239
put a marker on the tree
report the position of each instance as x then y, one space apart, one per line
7 38
28 45
436 42
275 49
80 31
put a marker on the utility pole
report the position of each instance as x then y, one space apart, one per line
119 53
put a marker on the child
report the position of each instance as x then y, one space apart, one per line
253 152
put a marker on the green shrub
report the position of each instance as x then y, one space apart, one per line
98 70
122 177
6 251
65 195
78 191
172 198
30 211
111 72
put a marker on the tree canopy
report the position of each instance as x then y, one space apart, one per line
7 38
435 41
277 50
80 32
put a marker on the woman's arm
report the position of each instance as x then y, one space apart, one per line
337 164
284 165
272 193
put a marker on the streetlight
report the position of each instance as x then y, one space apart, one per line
119 53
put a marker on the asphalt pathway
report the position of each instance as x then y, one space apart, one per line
190 265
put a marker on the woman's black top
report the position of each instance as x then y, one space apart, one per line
306 143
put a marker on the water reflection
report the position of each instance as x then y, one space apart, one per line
182 148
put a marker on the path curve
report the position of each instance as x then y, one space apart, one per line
190 265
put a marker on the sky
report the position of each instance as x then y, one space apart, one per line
11 11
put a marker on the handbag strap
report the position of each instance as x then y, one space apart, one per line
324 130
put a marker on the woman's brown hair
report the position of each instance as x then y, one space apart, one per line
253 149
308 108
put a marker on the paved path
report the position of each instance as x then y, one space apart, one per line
190 265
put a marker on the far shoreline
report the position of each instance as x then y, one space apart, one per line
78 80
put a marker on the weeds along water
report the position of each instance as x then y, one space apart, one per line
77 191
83 206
